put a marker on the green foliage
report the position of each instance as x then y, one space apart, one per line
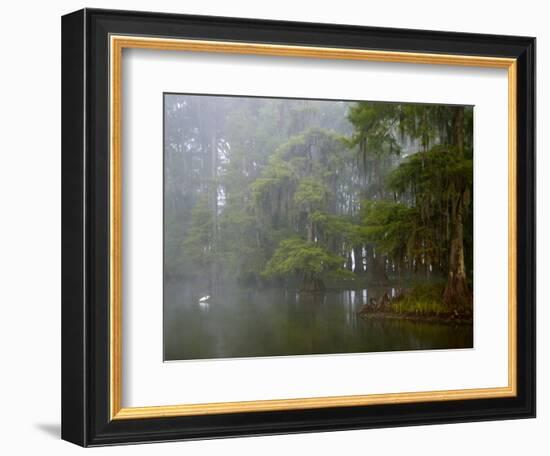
297 256
434 174
198 244
422 299
277 175
337 227
239 251
434 183
393 227
299 179
429 124
263 188
375 128
174 257
310 194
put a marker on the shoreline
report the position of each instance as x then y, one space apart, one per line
443 319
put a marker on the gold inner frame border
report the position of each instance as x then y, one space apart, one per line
116 46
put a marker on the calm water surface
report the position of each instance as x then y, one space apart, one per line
246 322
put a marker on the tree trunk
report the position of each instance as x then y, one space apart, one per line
358 256
376 268
458 127
312 284
457 294
310 234
310 228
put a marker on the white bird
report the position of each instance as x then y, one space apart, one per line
204 298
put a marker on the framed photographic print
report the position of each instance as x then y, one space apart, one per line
277 227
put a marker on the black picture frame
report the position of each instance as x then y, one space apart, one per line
85 228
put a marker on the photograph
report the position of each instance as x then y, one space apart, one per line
315 226
281 224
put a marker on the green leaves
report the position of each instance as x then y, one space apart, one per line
430 185
376 131
340 228
310 194
297 256
305 187
392 227
198 244
432 174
